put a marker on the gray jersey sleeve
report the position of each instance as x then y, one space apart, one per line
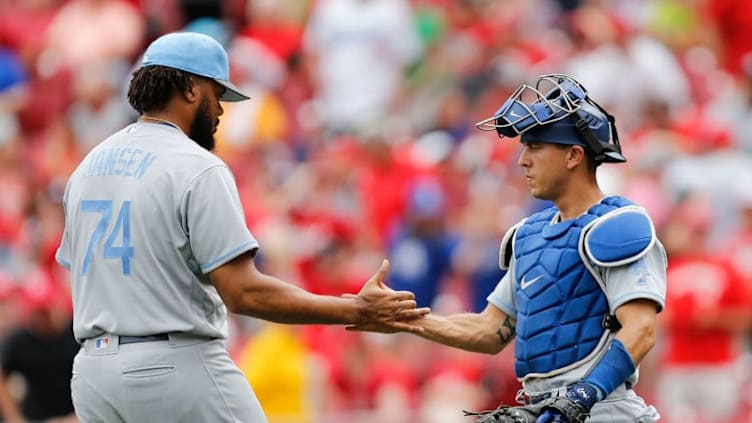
503 295
642 279
213 218
63 254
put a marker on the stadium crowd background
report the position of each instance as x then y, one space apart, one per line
359 143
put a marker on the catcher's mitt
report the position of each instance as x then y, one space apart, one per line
572 411
506 414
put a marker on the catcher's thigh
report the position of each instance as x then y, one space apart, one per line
629 408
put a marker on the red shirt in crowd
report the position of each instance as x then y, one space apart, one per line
703 291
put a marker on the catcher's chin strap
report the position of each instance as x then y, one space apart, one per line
600 149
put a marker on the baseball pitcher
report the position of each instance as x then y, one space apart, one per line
157 247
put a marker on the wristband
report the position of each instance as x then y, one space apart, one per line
613 369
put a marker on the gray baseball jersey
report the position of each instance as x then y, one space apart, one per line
148 214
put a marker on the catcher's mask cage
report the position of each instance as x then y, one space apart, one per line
561 112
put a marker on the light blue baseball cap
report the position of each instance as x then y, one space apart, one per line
196 53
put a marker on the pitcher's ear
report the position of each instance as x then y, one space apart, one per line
192 93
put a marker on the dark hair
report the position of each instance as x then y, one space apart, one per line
152 87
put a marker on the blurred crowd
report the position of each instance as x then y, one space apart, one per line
359 143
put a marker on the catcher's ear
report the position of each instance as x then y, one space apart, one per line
575 155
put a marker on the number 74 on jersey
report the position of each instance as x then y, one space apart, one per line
122 227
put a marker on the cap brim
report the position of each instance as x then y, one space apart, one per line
232 93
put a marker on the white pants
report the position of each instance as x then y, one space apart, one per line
630 408
621 406
180 380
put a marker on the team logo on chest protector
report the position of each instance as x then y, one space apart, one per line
560 305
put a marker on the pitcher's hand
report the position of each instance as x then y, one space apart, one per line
383 309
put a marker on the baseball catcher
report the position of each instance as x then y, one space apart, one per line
585 278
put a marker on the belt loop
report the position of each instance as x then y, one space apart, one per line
522 397
561 391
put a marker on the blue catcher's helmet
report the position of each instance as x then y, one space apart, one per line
560 112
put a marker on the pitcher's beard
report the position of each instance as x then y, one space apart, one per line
203 128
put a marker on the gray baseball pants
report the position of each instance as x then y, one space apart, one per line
621 406
183 379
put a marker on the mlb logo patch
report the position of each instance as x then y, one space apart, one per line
101 343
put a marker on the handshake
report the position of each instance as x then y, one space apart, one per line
382 309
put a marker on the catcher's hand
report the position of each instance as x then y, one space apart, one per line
505 414
574 407
562 410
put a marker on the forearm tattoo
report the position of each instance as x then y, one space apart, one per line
506 332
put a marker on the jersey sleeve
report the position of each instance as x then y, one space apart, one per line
503 295
63 253
214 220
641 279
